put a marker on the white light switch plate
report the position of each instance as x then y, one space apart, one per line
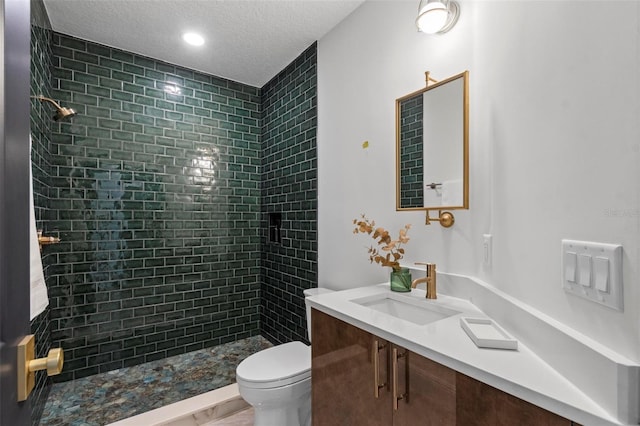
604 284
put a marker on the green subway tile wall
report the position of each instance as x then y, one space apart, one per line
289 187
155 192
412 154
41 124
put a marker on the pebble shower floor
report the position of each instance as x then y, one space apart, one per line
108 397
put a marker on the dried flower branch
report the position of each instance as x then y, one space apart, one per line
391 251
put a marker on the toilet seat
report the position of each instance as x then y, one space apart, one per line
276 366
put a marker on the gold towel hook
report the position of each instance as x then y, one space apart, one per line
42 240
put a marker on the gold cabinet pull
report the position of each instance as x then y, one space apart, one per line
394 373
377 347
28 365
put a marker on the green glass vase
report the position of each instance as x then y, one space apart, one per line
400 280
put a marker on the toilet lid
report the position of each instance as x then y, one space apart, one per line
277 366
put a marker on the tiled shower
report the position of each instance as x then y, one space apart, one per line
160 190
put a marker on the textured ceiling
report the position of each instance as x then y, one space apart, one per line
248 41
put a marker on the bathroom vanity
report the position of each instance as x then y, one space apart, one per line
386 358
360 378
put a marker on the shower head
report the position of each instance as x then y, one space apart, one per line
61 112
64 114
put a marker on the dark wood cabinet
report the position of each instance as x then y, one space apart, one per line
483 405
349 365
342 375
430 392
360 379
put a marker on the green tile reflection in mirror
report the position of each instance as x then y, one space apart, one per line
432 146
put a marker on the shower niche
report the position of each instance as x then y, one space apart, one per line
275 227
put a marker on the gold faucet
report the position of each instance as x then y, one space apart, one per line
430 280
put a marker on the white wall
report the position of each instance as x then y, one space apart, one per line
555 146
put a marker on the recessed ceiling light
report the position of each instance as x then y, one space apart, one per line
193 39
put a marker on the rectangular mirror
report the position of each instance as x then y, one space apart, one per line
432 146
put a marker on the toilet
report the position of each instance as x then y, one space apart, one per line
277 381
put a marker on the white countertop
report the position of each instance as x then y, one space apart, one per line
518 372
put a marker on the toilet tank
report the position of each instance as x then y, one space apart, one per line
308 293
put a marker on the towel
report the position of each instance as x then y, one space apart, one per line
39 296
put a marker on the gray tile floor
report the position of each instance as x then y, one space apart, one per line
105 398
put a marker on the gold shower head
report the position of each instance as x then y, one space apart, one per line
61 112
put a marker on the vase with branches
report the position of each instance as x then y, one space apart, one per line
387 252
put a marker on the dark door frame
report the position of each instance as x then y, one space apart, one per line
14 202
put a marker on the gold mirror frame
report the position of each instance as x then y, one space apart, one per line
445 217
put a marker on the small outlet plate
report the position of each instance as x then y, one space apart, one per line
593 271
486 249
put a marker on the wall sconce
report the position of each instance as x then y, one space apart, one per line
437 16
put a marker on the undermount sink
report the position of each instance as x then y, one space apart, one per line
415 310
